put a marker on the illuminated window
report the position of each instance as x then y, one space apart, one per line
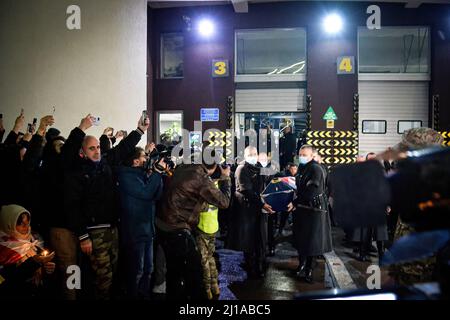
172 45
374 126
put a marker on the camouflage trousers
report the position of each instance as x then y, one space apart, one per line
408 273
207 246
105 248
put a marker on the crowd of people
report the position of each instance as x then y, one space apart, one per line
132 223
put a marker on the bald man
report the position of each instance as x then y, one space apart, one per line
90 205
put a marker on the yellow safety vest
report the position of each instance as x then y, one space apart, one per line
209 221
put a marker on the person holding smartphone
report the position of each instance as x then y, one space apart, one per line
90 203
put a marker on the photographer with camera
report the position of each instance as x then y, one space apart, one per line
189 193
138 191
90 202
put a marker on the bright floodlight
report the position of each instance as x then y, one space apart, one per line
332 23
205 28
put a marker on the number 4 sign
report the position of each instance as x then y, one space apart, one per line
345 65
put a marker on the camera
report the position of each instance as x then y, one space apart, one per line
153 161
96 121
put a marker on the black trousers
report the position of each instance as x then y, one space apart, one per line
306 261
283 219
271 227
184 278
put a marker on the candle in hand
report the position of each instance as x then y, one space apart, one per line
44 253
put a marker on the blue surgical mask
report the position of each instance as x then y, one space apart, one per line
303 160
251 160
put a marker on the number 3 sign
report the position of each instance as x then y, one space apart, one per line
220 68
345 65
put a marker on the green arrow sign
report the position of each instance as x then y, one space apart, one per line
330 115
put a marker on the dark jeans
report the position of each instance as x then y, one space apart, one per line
184 278
140 268
159 275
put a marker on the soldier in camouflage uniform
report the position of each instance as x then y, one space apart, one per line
206 241
421 270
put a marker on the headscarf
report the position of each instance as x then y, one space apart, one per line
15 247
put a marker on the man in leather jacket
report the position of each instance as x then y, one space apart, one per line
191 190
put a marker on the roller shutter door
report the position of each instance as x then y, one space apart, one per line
391 101
270 100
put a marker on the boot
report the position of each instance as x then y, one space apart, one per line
215 290
300 271
209 294
309 275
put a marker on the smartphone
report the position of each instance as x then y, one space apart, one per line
1 115
34 120
96 121
125 133
143 117
30 128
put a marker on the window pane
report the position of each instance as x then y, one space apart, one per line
172 56
170 125
404 125
394 50
271 51
374 126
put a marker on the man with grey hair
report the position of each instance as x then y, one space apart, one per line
248 231
311 222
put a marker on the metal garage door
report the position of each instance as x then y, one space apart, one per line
270 100
391 101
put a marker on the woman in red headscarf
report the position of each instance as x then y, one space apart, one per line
22 258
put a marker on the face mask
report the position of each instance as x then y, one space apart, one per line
303 160
251 160
263 164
